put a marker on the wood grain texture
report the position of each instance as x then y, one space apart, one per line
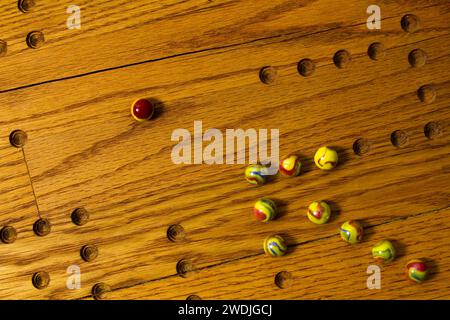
85 150
325 269
121 32
18 209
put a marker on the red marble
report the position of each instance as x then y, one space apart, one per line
142 109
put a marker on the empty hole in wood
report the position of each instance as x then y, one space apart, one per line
399 138
410 23
80 216
40 280
89 252
176 233
18 138
342 58
306 67
361 146
35 39
376 51
283 279
268 75
42 227
193 297
417 58
26 5
427 93
100 291
185 268
8 234
433 130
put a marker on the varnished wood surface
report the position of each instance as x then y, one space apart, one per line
120 33
85 150
326 263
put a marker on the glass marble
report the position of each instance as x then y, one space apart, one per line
319 212
326 158
417 270
265 210
383 251
256 174
352 231
290 166
142 110
275 246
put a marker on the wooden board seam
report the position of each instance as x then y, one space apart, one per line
261 254
290 36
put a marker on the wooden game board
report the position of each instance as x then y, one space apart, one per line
201 60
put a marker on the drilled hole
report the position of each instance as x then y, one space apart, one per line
306 67
433 130
417 58
89 253
176 233
283 279
100 291
361 146
42 227
8 234
376 51
194 297
185 268
18 138
40 280
342 58
80 216
410 23
35 39
268 75
26 5
427 93
399 138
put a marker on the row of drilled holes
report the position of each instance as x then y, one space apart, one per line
409 23
399 138
306 67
